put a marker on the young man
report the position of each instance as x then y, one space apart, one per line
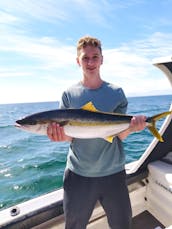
95 168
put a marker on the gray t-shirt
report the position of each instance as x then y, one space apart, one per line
95 157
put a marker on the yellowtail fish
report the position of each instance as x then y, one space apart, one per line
86 122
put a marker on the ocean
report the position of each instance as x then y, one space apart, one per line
32 165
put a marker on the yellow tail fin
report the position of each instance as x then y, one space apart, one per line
151 126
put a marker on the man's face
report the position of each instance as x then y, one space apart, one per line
90 59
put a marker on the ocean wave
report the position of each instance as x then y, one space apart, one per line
6 126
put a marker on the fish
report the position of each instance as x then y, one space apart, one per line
86 122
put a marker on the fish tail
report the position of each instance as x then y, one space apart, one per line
152 121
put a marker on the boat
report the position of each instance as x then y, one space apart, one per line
149 182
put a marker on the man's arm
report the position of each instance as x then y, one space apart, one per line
137 124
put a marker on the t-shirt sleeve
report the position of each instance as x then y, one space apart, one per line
123 102
64 103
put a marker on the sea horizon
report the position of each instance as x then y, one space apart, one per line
49 101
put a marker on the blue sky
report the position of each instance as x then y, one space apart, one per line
38 45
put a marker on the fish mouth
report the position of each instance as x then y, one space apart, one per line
20 126
17 125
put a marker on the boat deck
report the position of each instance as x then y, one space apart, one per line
145 218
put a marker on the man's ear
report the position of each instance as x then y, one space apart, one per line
77 60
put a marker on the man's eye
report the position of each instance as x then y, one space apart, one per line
85 58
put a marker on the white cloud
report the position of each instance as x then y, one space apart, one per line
155 45
50 10
11 73
131 65
47 51
6 18
96 12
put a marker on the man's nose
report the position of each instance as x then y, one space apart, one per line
90 61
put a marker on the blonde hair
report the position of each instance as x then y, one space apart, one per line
88 41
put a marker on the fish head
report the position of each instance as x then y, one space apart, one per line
32 125
26 121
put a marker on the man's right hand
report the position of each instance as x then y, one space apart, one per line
56 133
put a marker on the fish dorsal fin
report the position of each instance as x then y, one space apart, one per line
110 139
89 107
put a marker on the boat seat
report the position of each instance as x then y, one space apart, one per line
161 173
159 191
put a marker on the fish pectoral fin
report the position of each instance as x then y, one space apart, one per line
110 138
89 107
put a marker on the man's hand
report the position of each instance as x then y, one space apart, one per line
56 133
137 124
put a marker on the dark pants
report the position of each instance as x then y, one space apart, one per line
82 193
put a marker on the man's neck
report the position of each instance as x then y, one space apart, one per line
92 83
